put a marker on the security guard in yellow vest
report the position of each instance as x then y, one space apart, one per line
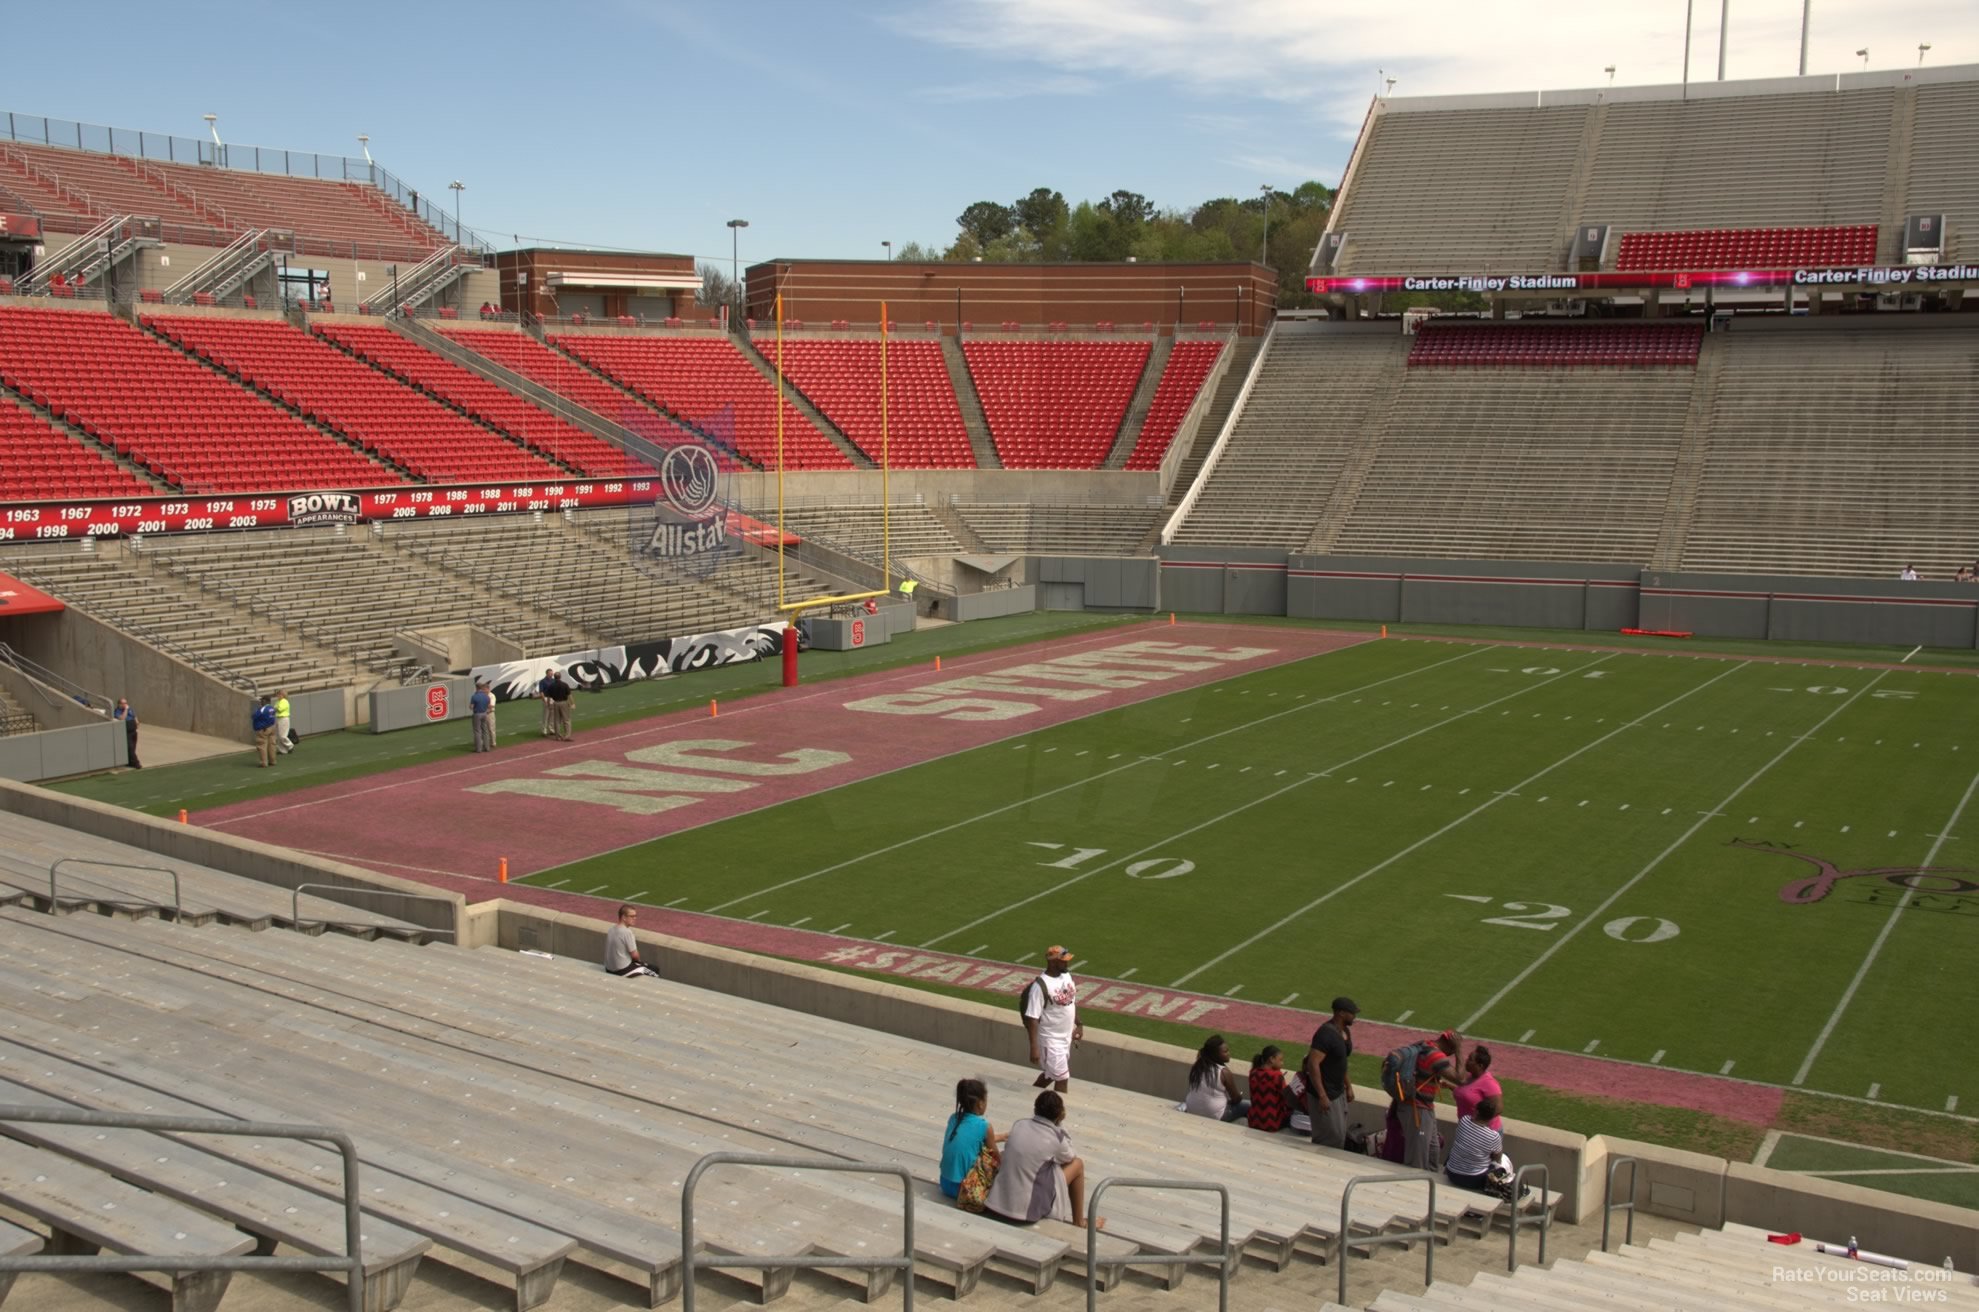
284 742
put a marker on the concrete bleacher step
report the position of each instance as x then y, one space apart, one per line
16 1242
1137 405
260 1205
88 1211
970 402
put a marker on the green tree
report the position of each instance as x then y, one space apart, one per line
1044 215
918 253
1129 209
986 220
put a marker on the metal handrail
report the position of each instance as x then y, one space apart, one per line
1544 1221
351 1264
1222 1257
245 244
40 675
1609 1206
178 906
295 903
692 1261
1428 1231
1215 453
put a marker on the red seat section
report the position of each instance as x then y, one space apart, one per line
842 378
1555 345
329 217
492 405
706 382
1747 248
1188 364
178 419
375 411
1055 405
39 462
520 353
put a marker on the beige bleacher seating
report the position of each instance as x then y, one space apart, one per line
1522 464
914 529
447 1064
1511 167
179 618
1316 394
1734 1269
352 593
1942 179
112 878
1808 158
1842 453
1073 530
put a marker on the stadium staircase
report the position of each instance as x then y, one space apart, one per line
971 405
232 268
1353 477
1681 509
14 717
1188 366
425 280
92 257
804 405
406 1045
1242 352
1317 392
1128 438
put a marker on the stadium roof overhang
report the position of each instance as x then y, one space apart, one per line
17 598
1873 278
619 280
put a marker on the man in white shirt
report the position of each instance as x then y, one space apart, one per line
1909 574
622 949
1051 1019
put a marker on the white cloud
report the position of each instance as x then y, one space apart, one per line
1323 56
1287 172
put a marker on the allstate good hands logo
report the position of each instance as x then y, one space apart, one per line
689 528
689 479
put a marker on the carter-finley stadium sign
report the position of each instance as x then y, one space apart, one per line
1849 275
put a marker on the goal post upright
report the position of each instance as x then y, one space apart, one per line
793 610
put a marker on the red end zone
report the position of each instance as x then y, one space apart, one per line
543 803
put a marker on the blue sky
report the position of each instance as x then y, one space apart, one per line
834 126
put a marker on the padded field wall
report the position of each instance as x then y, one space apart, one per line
1549 595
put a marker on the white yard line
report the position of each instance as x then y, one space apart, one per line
1913 651
1892 1170
1876 948
1121 860
1427 839
1077 783
1476 710
1766 1147
1553 948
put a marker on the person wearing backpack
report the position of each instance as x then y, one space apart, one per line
1412 1075
1050 1010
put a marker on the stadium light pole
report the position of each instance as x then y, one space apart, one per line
1264 244
1864 52
1724 33
1806 18
1923 48
735 227
1687 15
1610 71
219 146
889 249
457 187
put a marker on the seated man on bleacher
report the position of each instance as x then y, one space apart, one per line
622 950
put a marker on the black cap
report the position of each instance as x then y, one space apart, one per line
1347 1005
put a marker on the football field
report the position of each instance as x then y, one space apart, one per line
1715 865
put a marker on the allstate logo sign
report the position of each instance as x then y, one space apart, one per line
689 529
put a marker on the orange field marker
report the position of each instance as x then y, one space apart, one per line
501 871
1384 630
1171 619
714 708
937 664
182 815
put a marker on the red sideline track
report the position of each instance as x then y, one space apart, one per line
415 819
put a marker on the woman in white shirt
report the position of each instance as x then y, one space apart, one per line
1213 1090
1476 1147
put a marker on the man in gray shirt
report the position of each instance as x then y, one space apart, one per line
622 950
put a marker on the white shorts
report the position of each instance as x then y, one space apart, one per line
1055 1059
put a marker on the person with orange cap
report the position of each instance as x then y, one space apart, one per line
1051 1019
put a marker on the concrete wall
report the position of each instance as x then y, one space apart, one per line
318 712
167 691
407 708
1534 594
59 753
1020 600
1223 580
51 709
1096 582
261 862
1811 609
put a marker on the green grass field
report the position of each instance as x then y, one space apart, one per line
1537 846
